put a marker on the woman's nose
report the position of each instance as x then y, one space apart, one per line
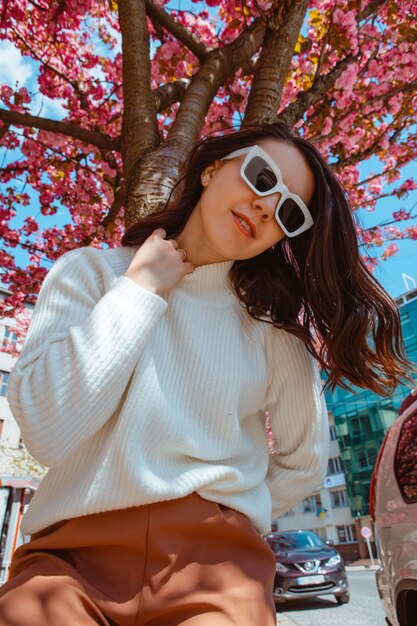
266 205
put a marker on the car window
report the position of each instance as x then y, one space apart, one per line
406 460
294 541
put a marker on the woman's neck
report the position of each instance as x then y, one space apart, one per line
192 239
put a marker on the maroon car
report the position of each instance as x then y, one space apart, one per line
306 567
393 509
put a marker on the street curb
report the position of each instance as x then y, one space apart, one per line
283 620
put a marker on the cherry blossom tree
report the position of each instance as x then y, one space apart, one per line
139 81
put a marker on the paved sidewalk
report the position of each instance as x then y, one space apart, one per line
283 620
362 564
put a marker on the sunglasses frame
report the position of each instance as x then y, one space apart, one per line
280 187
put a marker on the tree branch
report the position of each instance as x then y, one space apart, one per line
399 164
119 201
322 84
77 88
139 128
220 64
371 149
153 182
322 53
400 89
277 51
305 99
64 128
75 160
179 31
371 8
167 94
4 130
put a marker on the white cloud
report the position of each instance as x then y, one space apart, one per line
48 107
13 67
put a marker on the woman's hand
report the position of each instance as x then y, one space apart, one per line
158 265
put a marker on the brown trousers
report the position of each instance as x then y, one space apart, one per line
186 561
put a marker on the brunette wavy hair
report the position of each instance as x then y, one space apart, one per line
315 285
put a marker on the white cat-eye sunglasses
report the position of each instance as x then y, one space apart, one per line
264 177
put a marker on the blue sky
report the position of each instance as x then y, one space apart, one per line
389 272
13 67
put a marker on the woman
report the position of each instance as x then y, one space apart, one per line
145 378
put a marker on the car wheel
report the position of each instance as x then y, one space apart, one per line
343 598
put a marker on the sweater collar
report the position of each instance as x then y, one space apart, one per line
209 281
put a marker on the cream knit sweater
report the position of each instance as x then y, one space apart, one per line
132 399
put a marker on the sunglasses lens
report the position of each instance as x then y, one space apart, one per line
260 175
291 215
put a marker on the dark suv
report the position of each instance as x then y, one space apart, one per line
306 566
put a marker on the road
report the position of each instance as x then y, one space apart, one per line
364 608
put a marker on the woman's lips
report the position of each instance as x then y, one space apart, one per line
248 233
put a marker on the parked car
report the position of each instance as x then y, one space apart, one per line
307 566
393 509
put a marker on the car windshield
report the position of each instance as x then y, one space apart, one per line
294 541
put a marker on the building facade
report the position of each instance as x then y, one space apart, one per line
327 511
358 422
362 418
9 430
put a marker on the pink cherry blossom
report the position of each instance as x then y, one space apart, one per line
74 50
389 251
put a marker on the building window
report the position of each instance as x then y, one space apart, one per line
339 498
372 452
363 459
367 456
9 338
289 513
4 377
347 466
404 316
346 534
406 460
355 427
360 424
332 432
311 504
334 466
366 424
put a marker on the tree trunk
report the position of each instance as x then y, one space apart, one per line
139 129
275 59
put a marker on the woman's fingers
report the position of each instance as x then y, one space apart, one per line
160 232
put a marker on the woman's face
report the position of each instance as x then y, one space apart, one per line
227 200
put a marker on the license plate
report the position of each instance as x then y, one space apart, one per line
310 580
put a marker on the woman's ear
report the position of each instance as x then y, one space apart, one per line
208 172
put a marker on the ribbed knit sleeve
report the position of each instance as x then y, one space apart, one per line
87 332
299 423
